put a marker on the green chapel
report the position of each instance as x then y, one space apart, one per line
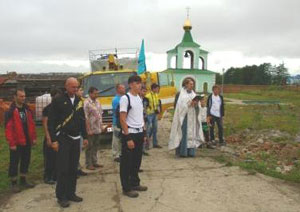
188 60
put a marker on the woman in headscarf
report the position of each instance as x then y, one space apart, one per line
186 131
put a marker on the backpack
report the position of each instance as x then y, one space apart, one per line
118 111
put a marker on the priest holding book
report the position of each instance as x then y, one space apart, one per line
186 131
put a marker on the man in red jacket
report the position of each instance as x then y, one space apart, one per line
21 135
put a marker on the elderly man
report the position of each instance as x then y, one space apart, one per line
93 115
66 122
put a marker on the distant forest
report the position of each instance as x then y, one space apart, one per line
264 74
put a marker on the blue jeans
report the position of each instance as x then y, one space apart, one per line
152 127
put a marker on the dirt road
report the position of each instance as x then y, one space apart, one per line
175 184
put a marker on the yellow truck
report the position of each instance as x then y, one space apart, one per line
106 74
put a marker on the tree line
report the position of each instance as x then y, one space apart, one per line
264 74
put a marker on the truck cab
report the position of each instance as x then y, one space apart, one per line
110 67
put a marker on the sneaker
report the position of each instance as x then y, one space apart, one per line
63 203
157 146
15 189
81 173
131 194
117 160
27 185
98 166
75 198
140 188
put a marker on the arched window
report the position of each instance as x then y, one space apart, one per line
201 63
188 59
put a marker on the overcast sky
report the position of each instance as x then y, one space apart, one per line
43 36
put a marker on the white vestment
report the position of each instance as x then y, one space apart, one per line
194 127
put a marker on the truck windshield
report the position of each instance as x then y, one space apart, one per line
106 83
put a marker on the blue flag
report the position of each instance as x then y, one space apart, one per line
142 60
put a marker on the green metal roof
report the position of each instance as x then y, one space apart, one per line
190 71
202 50
172 51
187 41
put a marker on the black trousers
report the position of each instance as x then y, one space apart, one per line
49 162
130 162
19 156
66 164
219 122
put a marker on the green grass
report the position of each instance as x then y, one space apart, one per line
258 117
282 117
36 166
273 93
223 159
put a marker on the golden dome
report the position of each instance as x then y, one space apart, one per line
187 24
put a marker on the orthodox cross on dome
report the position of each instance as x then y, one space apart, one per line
188 12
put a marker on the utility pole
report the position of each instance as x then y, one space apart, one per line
223 80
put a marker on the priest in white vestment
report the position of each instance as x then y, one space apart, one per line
186 131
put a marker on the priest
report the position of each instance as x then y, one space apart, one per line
186 131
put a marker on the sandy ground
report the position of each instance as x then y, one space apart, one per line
175 184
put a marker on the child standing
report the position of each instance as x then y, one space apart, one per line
215 113
205 127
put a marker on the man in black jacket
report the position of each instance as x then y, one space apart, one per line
66 123
215 114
